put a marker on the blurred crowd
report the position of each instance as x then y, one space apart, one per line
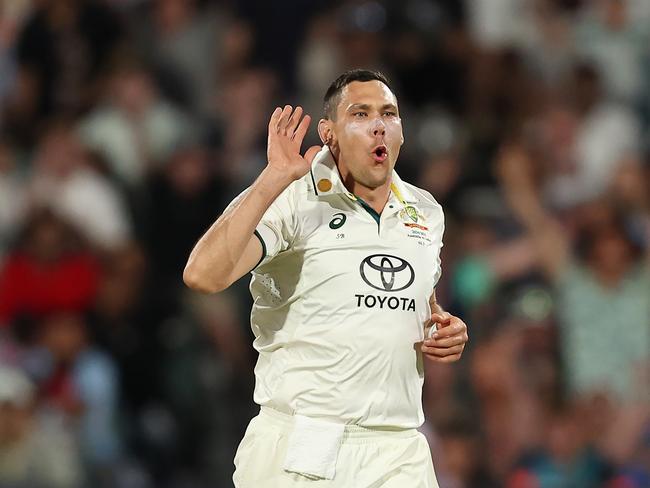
126 126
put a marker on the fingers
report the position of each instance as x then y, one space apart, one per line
441 318
429 330
288 121
443 354
446 359
275 118
453 326
455 340
443 351
283 121
448 342
301 130
279 119
293 121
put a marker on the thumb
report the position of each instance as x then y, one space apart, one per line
441 318
310 154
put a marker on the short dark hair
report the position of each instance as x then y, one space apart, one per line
333 93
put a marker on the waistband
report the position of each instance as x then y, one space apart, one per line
350 433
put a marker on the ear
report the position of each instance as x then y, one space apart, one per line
325 131
401 141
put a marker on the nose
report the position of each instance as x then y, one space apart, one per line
378 128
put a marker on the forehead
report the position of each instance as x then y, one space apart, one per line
366 92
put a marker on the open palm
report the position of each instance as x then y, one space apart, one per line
287 129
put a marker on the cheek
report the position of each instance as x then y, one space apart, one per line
394 132
357 128
351 133
394 128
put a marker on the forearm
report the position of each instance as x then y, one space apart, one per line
546 235
213 263
525 204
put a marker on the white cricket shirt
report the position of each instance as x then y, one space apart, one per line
341 298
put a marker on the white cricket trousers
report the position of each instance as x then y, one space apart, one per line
367 458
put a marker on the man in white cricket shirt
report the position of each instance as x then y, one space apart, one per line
345 259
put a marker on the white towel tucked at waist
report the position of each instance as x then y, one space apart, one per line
313 447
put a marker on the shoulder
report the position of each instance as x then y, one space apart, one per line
300 190
291 200
425 200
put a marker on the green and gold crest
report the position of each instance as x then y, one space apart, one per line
412 213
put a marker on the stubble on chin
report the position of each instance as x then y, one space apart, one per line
372 180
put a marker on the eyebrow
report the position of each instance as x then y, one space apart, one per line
365 106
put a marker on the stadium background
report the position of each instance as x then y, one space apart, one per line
127 125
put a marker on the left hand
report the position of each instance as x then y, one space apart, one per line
447 343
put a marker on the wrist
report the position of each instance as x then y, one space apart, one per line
273 181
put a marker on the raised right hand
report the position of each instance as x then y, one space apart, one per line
286 133
515 170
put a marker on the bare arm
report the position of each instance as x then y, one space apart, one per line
546 234
631 188
229 249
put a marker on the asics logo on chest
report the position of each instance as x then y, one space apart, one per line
337 221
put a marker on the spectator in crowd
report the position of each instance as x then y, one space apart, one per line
63 180
607 284
610 36
134 128
12 198
63 46
584 140
79 383
183 195
244 104
49 270
566 459
11 18
184 43
33 452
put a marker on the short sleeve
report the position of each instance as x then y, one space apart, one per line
276 228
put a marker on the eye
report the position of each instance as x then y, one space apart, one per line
390 113
359 114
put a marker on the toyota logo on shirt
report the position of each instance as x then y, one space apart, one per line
387 273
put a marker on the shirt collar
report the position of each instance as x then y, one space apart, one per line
327 180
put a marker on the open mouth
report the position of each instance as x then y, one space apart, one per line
380 153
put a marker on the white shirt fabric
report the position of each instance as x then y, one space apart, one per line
88 201
336 336
132 146
606 135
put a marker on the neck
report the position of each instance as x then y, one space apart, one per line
376 198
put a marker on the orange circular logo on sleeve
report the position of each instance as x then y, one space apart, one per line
324 185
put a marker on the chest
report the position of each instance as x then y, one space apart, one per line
346 244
